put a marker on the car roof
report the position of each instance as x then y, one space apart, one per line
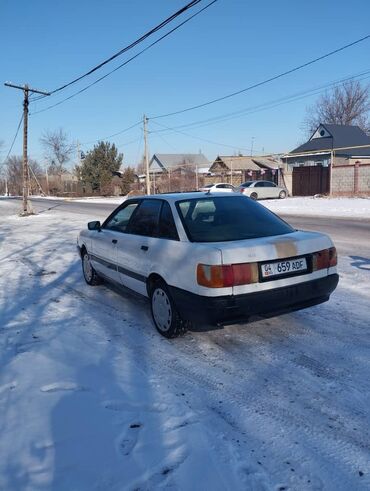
184 196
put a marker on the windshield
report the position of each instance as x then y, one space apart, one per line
219 219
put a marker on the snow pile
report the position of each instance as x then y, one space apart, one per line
92 398
321 207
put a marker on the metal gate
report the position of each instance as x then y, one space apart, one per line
310 180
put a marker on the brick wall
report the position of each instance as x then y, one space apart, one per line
351 179
364 179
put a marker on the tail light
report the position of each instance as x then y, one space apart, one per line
222 276
324 259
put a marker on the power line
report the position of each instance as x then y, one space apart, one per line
259 84
268 105
126 62
111 136
203 139
15 137
130 46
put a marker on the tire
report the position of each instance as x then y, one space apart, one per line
282 194
254 196
165 315
91 276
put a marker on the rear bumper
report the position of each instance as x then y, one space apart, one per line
240 308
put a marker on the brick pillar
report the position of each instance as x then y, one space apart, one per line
356 176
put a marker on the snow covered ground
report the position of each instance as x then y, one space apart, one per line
325 207
92 398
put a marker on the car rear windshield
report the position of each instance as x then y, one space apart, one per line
219 219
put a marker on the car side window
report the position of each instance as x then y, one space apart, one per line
121 218
167 227
259 184
145 220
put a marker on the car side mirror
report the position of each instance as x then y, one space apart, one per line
95 225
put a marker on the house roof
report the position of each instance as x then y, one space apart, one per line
246 162
164 161
336 136
237 162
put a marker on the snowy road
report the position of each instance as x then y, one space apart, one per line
92 398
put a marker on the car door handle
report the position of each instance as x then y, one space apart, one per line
114 241
144 248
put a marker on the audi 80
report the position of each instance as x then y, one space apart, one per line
204 258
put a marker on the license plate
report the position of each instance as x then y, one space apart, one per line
290 266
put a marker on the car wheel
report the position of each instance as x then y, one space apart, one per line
254 196
90 275
165 315
282 194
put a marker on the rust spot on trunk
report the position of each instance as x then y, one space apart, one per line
285 248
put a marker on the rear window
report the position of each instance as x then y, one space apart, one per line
223 219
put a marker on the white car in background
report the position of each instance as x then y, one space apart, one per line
262 190
208 258
220 187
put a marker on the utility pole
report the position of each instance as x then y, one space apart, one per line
145 122
26 92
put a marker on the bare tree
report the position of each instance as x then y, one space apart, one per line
347 104
58 150
14 175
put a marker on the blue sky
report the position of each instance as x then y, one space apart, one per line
232 45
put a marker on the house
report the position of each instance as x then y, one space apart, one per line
180 162
241 168
335 160
177 171
63 183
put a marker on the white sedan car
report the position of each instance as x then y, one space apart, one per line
220 187
262 190
208 259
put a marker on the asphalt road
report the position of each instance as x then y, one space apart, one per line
351 236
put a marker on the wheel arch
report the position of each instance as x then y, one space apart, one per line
152 279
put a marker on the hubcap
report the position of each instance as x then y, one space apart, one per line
87 267
162 311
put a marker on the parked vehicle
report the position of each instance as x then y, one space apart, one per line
208 258
220 187
262 190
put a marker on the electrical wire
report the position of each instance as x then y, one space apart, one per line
156 133
130 46
269 105
15 137
111 136
235 147
126 62
263 82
